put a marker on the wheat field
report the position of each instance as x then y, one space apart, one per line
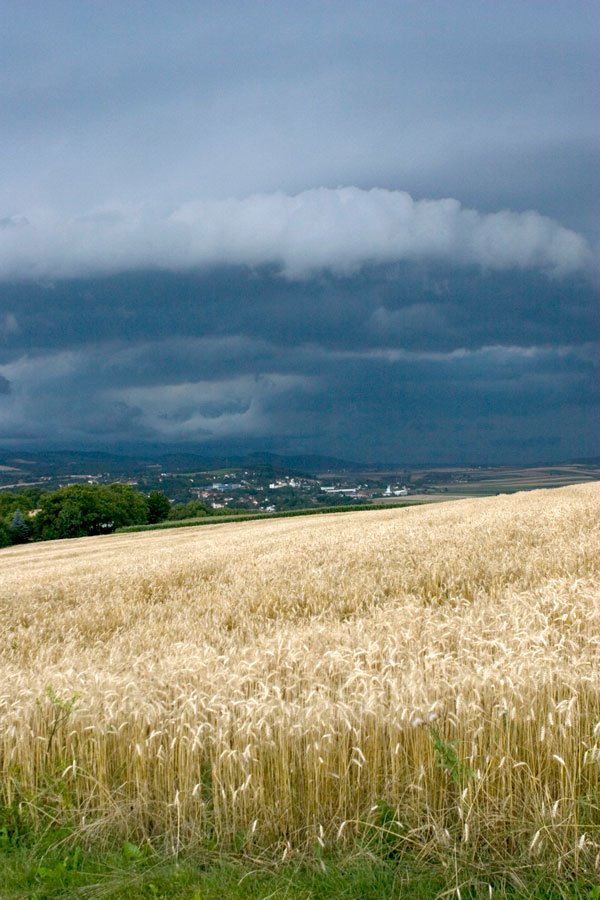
282 683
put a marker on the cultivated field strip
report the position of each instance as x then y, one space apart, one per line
271 682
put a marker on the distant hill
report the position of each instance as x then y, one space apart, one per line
70 462
305 462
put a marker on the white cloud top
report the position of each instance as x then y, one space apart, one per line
338 230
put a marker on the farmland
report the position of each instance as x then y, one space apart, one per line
425 679
453 482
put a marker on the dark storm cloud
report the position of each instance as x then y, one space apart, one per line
409 305
463 405
179 264
390 360
384 396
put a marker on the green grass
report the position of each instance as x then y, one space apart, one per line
66 871
56 861
221 518
56 865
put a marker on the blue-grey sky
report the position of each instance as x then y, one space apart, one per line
367 229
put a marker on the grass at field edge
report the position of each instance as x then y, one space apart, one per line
63 871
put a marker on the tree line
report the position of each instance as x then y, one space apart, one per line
79 510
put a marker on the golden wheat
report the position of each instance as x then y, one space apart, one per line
277 679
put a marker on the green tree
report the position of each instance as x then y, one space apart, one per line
129 507
73 511
10 503
88 509
5 540
158 507
18 528
33 495
192 510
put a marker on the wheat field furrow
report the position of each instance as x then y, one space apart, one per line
281 678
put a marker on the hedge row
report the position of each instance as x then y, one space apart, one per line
213 520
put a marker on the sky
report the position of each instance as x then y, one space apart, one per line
368 230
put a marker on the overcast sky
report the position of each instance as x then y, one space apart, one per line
365 229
